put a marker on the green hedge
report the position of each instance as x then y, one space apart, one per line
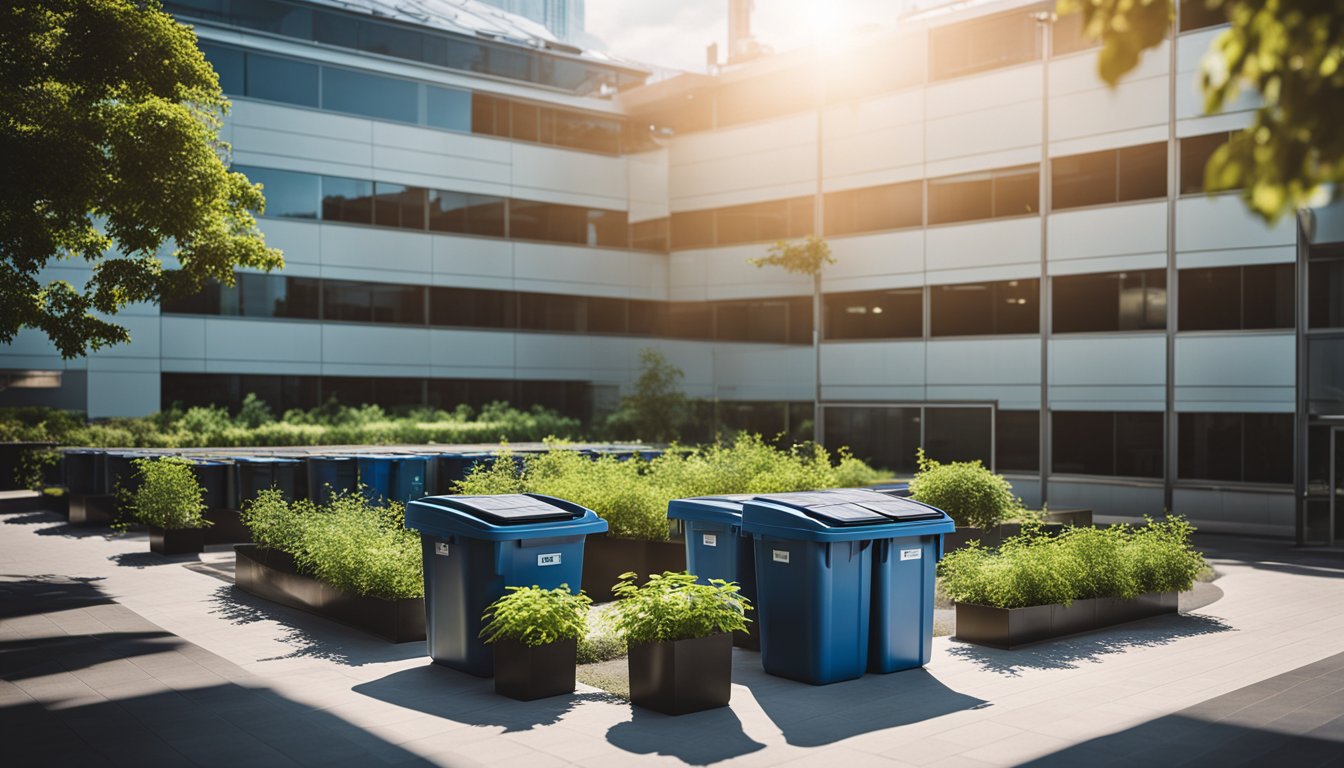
966 490
1034 569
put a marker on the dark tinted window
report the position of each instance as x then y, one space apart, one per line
1010 306
397 205
1143 172
1325 290
692 229
1017 441
1195 152
587 132
1196 14
650 235
873 209
489 115
574 314
466 214
765 320
984 195
289 194
1114 301
275 79
566 224
1083 180
763 222
471 308
981 44
646 318
958 434
228 64
891 314
1236 298
1236 447
1106 443
348 200
255 295
373 302
448 108
385 98
281 393
887 438
690 320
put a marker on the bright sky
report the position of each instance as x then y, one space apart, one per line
674 33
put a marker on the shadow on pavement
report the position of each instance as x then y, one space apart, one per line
150 559
1072 652
30 595
62 527
697 739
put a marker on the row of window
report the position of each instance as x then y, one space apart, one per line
291 194
383 97
362 32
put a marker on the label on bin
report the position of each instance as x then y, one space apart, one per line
710 539
912 554
780 556
549 559
441 548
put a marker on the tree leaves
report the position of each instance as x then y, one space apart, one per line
806 258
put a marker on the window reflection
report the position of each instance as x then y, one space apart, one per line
1009 306
890 314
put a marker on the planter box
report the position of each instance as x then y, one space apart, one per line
682 676
605 558
1014 627
1079 518
534 672
272 575
177 541
11 456
226 527
92 510
992 537
58 504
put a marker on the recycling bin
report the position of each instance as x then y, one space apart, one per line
904 569
253 474
717 549
329 476
119 472
452 468
392 477
213 477
899 490
815 579
85 471
475 546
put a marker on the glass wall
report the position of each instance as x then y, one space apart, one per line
1195 152
1252 297
1113 301
875 209
886 438
989 42
1017 441
734 225
1325 288
1235 447
891 314
1111 176
1106 443
999 193
976 309
959 434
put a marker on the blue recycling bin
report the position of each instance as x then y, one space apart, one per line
475 546
85 471
253 474
213 477
331 475
392 476
452 468
717 549
816 586
899 490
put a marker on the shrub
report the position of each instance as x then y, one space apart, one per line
534 616
169 496
672 606
274 523
34 466
966 490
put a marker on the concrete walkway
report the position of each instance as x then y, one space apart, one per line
112 655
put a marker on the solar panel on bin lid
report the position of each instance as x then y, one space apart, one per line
513 508
833 508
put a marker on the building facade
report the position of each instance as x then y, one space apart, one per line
1029 271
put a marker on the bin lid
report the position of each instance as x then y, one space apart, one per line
263 460
501 517
841 515
726 509
328 457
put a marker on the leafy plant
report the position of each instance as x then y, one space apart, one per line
656 409
34 466
966 490
273 522
168 496
672 606
534 616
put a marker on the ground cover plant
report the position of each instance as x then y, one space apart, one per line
168 495
966 490
347 543
673 606
1034 569
534 616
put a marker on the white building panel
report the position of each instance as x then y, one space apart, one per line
882 156
762 161
870 262
350 343
472 350
1110 503
994 129
300 241
984 244
960 362
1237 511
985 90
379 250
1109 360
647 183
565 176
238 339
872 364
117 393
1121 230
472 262
182 337
264 146
1134 103
1221 222
760 372
1237 360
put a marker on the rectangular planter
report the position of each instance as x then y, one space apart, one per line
526 672
1015 627
177 541
272 575
92 510
605 558
682 676
59 504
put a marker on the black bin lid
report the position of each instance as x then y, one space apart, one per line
856 507
512 509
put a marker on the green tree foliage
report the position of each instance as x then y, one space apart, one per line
966 490
657 409
109 130
168 495
672 606
1291 52
534 616
808 257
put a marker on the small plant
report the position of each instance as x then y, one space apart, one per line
672 606
534 616
966 490
34 465
168 496
274 523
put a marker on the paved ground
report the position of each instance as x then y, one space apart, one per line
111 655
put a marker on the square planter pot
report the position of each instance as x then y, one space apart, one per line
682 676
606 557
526 672
177 541
60 504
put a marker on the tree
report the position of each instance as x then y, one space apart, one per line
109 134
1290 51
657 408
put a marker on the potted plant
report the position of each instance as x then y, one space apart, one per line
535 633
680 635
168 499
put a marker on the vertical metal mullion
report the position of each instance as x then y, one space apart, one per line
1043 288
1169 425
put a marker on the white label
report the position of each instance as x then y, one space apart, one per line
550 559
710 539
441 548
912 554
780 556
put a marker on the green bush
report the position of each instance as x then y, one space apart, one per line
273 522
534 616
966 490
1035 569
31 473
672 606
169 496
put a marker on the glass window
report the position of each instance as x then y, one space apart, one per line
646 318
1138 445
765 321
890 314
373 302
390 40
982 44
552 312
466 214
349 200
690 320
448 108
1114 301
1106 443
285 80
1009 306
1325 376
291 20
525 122
605 315
289 194
257 295
961 198
385 98
489 115
1236 447
397 205
1325 290
1017 191
874 209
577 130
228 64
1017 441
1197 14
886 438
1143 172
1268 292
958 434
1195 152
607 228
1081 180
692 229
757 222
1066 35
651 235
472 308
203 302
1237 298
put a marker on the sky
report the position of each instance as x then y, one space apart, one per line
674 33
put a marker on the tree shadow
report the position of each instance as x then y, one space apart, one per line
457 696
701 738
1072 652
32 595
62 526
150 559
29 658
309 636
810 715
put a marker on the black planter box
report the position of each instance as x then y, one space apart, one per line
11 456
92 510
58 503
605 558
1015 627
682 676
526 672
226 527
992 537
176 541
271 574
